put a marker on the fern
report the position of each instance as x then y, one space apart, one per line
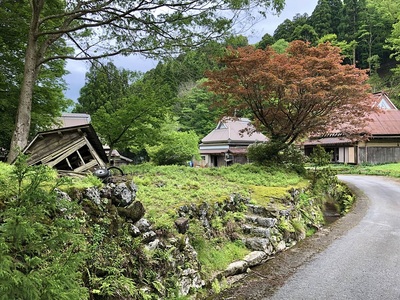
39 246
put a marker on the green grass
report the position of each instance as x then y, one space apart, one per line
164 189
392 170
215 256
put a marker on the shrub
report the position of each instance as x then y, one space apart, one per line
41 247
263 153
277 154
176 149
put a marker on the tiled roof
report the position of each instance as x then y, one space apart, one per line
230 130
385 122
327 141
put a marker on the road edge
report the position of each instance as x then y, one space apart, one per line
262 281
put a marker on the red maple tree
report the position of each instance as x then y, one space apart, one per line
306 90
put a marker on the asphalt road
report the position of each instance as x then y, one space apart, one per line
362 264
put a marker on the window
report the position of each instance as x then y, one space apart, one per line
221 126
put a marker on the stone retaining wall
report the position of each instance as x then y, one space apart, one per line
264 230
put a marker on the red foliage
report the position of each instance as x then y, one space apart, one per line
306 90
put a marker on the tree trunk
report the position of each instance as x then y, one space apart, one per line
23 119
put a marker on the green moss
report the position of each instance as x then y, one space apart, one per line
262 195
298 226
310 231
285 226
166 188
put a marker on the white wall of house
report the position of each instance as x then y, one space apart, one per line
205 160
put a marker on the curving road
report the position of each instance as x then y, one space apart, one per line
365 262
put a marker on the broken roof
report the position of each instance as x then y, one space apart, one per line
75 148
73 119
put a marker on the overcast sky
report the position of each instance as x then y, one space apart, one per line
76 79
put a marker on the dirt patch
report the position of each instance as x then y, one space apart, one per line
262 281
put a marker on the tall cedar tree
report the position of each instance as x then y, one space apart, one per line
305 90
354 15
326 17
104 28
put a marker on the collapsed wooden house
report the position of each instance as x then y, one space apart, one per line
75 148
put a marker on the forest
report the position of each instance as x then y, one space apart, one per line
140 114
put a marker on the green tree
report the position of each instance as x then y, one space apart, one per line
325 18
320 19
195 110
132 120
284 30
345 47
266 40
175 147
190 66
186 68
354 16
372 36
179 79
41 246
388 9
280 46
386 77
305 33
104 83
391 10
104 28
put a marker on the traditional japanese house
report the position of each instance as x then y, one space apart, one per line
227 143
382 145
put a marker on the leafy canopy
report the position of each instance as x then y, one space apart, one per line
305 90
48 100
104 28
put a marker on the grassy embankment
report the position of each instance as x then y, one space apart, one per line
392 170
164 189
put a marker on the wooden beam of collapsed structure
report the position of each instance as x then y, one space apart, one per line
86 166
46 159
94 153
67 152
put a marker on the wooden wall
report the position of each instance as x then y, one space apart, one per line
378 155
